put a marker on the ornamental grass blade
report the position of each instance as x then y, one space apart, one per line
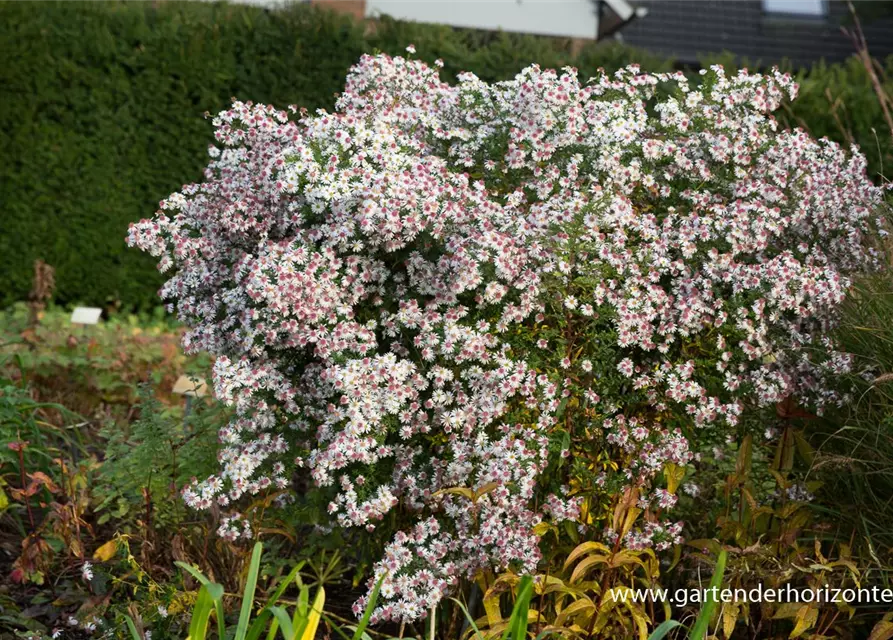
195 573
214 590
284 622
699 630
370 607
517 627
302 610
201 615
292 575
248 596
315 614
260 624
336 628
663 629
131 627
471 622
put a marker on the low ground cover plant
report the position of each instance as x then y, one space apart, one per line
479 314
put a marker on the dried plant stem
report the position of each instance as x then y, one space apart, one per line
858 38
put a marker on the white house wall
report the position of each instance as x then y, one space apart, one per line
569 18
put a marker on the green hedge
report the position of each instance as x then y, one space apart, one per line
101 105
838 101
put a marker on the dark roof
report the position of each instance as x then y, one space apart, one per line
687 29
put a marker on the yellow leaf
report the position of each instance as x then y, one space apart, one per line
883 630
631 517
581 569
787 610
584 607
625 513
484 490
606 606
491 603
624 558
107 551
639 618
583 549
674 474
818 551
506 579
465 492
543 528
729 618
560 588
315 613
806 618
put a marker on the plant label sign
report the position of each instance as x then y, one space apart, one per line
190 386
85 315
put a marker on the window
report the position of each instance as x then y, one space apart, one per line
805 8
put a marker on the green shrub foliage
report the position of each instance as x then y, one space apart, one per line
100 106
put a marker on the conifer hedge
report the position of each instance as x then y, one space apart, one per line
101 112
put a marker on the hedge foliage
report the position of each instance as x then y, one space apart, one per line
101 105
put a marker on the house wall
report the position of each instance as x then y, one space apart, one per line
573 18
686 29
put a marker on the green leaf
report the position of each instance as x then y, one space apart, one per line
216 592
335 627
370 606
288 631
284 584
195 573
260 623
248 595
131 627
663 629
300 618
699 630
477 632
201 615
517 628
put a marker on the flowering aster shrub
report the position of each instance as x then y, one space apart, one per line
495 307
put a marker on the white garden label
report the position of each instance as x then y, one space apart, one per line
85 315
